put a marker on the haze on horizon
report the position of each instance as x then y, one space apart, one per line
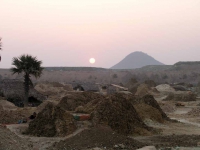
69 33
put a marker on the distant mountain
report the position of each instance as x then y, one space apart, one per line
136 60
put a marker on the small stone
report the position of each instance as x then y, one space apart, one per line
122 146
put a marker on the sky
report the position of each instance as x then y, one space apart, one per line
70 32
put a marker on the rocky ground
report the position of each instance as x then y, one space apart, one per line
111 125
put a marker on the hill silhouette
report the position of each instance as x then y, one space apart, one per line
136 60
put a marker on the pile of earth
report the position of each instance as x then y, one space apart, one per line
167 108
117 112
143 90
181 96
101 137
43 105
10 141
52 121
150 83
148 108
165 88
71 101
6 105
162 142
10 117
8 113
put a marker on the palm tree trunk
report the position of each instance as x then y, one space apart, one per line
26 88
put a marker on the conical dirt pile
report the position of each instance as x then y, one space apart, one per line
117 112
72 101
52 121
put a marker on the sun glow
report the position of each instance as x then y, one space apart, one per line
92 60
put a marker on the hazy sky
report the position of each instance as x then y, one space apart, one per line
69 32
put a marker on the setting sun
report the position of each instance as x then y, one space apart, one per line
92 60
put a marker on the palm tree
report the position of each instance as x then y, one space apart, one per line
0 49
27 65
0 43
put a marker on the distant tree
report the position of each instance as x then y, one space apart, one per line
0 43
114 76
0 48
27 65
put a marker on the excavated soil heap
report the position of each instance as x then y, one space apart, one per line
10 141
148 112
100 137
142 90
52 121
10 117
7 113
153 107
72 101
6 105
148 108
117 112
167 108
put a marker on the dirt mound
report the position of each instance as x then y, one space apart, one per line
73 100
98 137
142 90
6 105
118 112
183 96
167 108
9 117
10 141
43 105
148 112
13 116
154 90
165 88
91 106
52 121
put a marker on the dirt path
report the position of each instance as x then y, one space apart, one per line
42 143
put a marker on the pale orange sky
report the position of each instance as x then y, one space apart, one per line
68 33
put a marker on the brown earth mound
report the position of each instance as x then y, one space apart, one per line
6 105
148 108
10 141
167 108
43 105
102 137
72 101
142 90
52 121
150 83
118 112
10 117
148 112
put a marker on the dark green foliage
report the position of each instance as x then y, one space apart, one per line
28 65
